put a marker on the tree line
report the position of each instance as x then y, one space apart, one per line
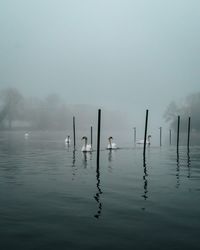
51 113
16 111
189 107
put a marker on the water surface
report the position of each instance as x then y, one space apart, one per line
52 197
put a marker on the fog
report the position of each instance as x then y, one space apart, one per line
124 56
188 108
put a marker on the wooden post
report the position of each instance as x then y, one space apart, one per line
188 139
178 128
91 135
145 132
98 137
160 136
74 132
134 135
170 137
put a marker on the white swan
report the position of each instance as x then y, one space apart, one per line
86 147
111 145
26 135
142 141
68 140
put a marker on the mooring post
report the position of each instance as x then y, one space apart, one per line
145 132
74 132
178 128
91 135
188 139
160 136
170 137
98 137
134 135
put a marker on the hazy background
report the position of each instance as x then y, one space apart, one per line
123 55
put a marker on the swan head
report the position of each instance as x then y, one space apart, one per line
110 138
84 138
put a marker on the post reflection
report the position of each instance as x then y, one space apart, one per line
188 163
145 179
73 164
177 171
98 194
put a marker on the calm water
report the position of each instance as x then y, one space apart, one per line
53 198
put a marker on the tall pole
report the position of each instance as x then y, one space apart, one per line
170 137
178 129
134 135
91 135
74 132
188 139
160 136
98 137
145 133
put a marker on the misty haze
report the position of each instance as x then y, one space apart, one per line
99 124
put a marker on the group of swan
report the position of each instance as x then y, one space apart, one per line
111 145
88 147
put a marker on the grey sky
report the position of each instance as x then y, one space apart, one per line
123 54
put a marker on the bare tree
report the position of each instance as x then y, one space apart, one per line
11 101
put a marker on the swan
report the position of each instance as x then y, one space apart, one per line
26 135
68 140
86 147
111 145
142 141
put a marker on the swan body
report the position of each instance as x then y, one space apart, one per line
86 147
111 145
142 141
26 135
68 140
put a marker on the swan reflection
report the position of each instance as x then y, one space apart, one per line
67 147
111 157
86 157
